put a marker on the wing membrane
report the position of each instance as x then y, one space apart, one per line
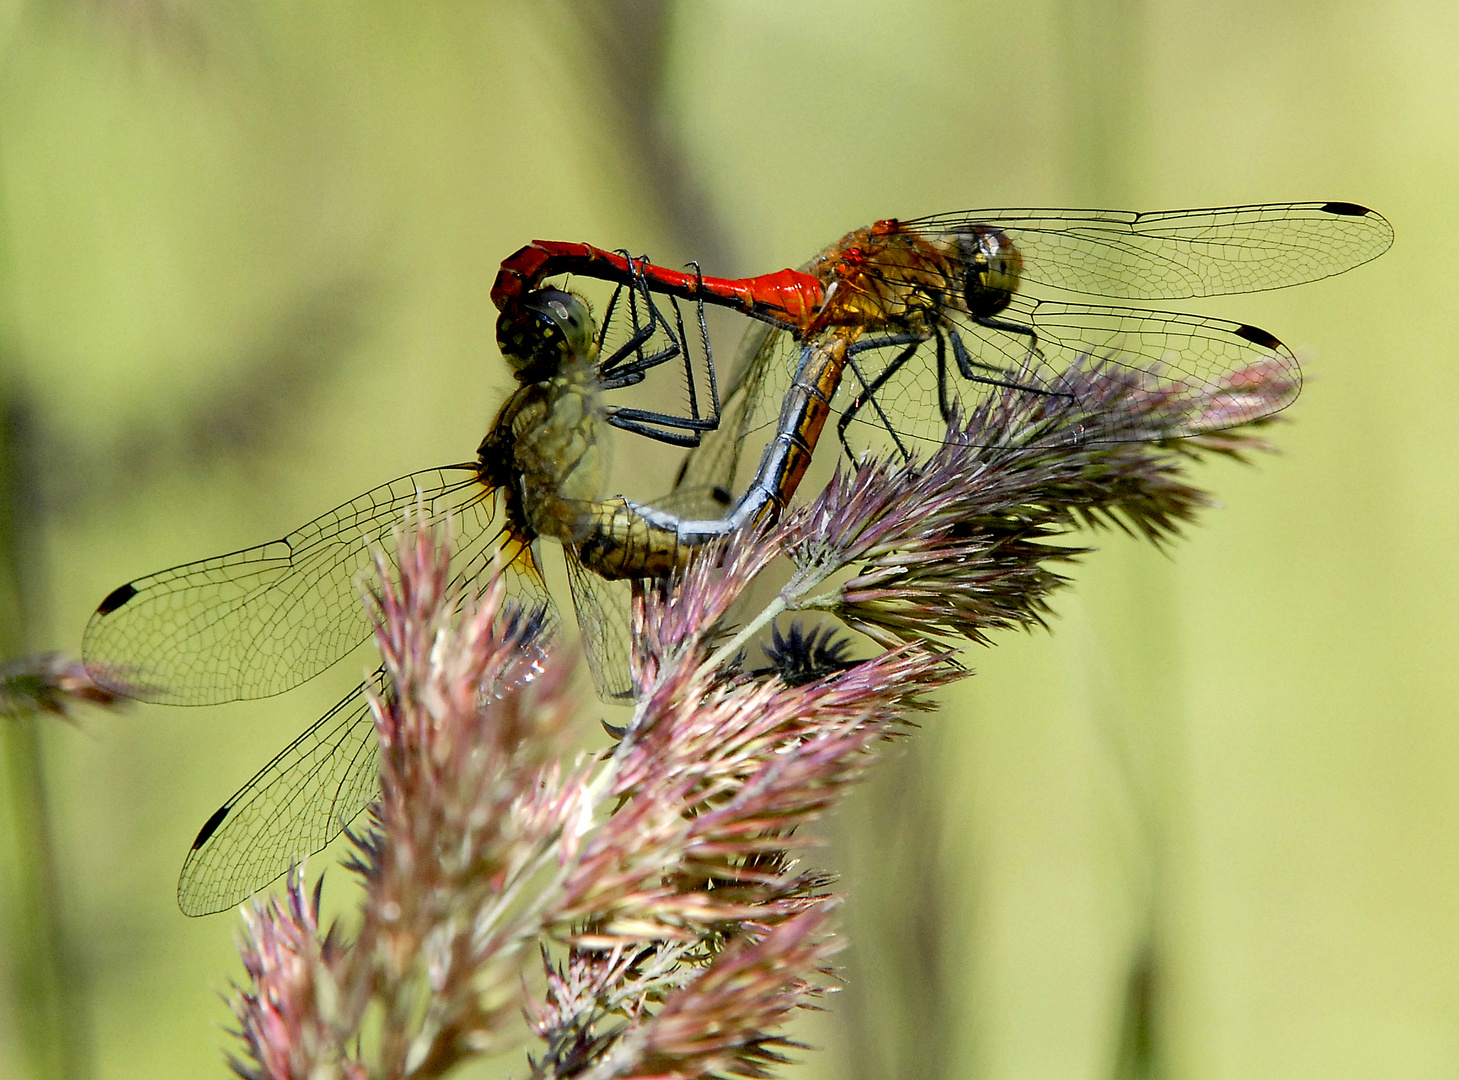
1173 254
295 805
310 792
260 621
1187 358
602 612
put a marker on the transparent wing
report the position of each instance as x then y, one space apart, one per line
714 472
603 618
313 788
888 402
260 621
294 806
1200 366
1171 254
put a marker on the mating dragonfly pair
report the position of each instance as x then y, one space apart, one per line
895 330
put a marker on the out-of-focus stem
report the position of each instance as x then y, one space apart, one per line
50 1035
51 1016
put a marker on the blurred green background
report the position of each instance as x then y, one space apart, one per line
1207 828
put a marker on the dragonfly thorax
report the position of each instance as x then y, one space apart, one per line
547 328
994 266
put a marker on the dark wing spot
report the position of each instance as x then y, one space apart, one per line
1259 336
1345 209
722 496
211 826
115 599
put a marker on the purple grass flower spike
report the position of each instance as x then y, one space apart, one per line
648 909
961 544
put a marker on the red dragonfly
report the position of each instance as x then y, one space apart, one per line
929 314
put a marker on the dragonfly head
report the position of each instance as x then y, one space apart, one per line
547 328
991 266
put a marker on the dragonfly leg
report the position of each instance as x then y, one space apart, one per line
607 318
633 374
688 360
967 366
615 365
615 370
869 389
944 399
639 421
701 423
651 423
704 342
707 352
615 373
1014 328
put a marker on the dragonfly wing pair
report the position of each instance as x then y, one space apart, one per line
263 620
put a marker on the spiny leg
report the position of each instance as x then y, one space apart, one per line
966 364
869 389
704 341
1013 328
613 371
649 422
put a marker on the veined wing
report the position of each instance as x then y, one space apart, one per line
603 618
909 396
293 807
260 621
1080 351
320 782
306 796
1171 254
714 471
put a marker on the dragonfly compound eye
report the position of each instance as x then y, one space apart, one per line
547 327
992 266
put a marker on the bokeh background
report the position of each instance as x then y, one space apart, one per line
1208 827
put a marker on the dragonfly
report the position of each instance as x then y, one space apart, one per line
260 621
932 314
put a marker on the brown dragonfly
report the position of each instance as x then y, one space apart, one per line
260 621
